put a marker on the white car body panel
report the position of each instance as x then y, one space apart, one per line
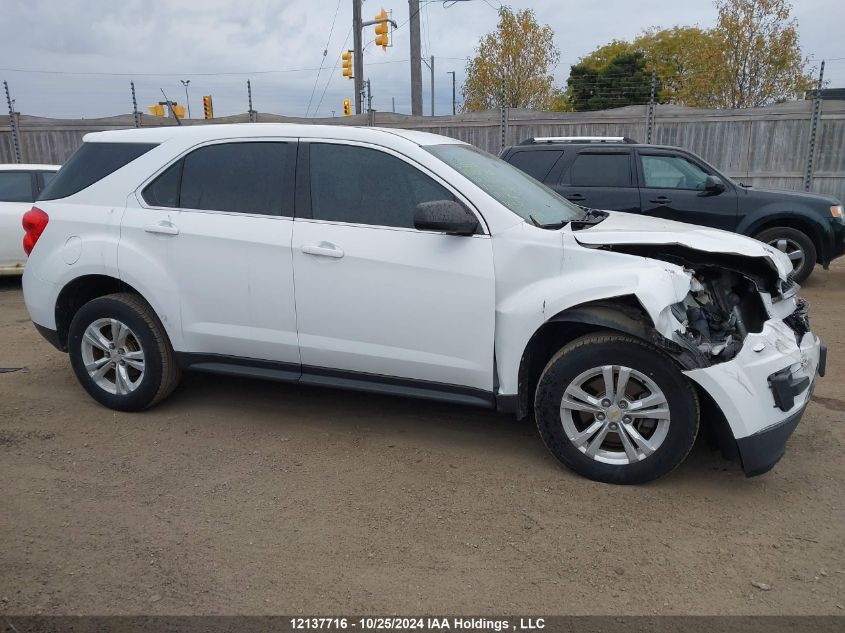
12 256
400 303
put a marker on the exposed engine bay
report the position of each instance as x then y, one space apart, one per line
725 303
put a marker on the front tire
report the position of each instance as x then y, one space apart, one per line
120 353
797 245
615 409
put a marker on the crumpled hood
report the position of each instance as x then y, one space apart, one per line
629 228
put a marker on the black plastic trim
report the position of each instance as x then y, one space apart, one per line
822 367
52 336
784 388
758 453
342 379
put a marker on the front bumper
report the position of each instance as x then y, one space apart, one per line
763 391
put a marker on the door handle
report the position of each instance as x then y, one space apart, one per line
661 200
575 197
165 228
324 249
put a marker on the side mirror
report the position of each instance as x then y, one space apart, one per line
445 216
713 185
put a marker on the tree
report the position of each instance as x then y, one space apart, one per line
758 57
622 81
751 57
512 66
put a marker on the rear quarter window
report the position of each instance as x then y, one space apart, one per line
89 164
536 163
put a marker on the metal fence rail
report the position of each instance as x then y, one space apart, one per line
765 147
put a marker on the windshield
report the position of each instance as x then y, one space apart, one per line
516 190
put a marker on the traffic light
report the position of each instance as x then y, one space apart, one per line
347 107
157 109
207 107
347 64
178 110
382 29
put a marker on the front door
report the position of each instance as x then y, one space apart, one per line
672 187
376 298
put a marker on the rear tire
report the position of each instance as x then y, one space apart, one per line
120 353
797 244
615 409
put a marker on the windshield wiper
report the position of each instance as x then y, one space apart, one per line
550 225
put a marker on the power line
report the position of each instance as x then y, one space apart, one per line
336 62
323 59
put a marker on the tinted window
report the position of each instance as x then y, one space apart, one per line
511 187
90 163
238 177
367 186
15 186
672 172
599 170
537 163
164 190
47 177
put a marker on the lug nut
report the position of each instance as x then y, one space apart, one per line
613 426
606 403
623 404
600 416
627 419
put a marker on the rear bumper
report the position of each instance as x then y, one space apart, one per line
51 336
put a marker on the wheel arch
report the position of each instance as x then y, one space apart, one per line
79 291
623 314
794 221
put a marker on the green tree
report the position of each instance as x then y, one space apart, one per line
512 66
622 81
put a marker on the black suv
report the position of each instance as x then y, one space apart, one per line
620 174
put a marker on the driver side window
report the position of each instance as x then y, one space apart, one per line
672 172
361 185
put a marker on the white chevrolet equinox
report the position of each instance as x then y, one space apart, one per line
406 263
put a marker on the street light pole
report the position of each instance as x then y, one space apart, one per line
452 72
185 83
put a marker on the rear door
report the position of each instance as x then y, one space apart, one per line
672 187
17 191
599 178
221 219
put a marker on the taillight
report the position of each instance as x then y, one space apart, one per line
34 222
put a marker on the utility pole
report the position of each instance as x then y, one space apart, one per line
358 68
185 83
416 58
454 103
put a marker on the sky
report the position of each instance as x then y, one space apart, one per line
76 58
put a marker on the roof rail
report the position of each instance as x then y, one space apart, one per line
577 139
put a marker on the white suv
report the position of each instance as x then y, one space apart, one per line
406 263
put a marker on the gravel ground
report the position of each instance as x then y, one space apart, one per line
248 497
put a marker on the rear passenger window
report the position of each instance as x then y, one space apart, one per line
16 186
90 163
536 163
366 186
599 170
243 177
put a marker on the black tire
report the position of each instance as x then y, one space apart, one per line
161 373
610 348
804 241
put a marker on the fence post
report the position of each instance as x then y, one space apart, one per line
253 115
814 128
13 124
649 112
136 116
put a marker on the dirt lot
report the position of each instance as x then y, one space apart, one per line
248 497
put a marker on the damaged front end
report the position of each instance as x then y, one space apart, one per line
746 342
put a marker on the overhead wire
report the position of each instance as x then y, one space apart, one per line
323 59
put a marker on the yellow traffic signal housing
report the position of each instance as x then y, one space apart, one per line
207 107
156 110
382 30
347 64
347 107
178 110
